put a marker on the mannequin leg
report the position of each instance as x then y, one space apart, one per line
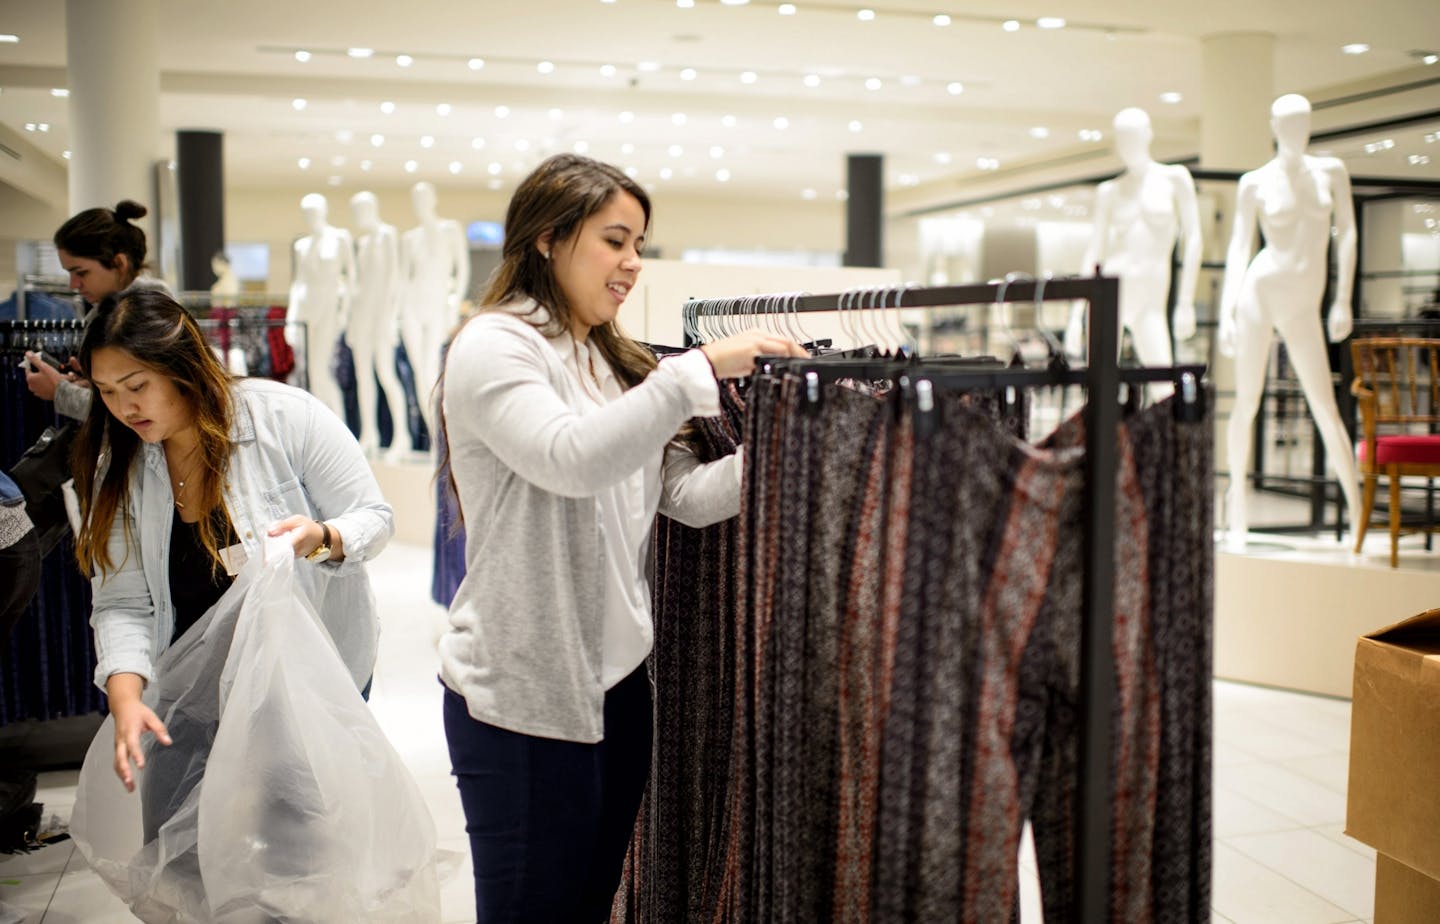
384 363
1151 337
1252 355
362 346
1305 341
322 381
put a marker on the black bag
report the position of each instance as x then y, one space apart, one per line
39 473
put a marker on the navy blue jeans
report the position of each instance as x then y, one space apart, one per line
550 821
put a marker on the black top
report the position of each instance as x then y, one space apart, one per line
196 579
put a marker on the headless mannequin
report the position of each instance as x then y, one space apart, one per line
224 293
435 269
320 297
1297 199
1138 216
374 312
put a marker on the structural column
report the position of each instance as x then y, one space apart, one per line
201 165
865 210
112 57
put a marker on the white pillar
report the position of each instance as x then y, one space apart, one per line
112 59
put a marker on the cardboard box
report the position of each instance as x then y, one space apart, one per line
1394 792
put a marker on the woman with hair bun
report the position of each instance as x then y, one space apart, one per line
103 253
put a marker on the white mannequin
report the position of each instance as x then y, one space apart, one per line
1298 199
1138 216
320 296
435 269
374 313
226 286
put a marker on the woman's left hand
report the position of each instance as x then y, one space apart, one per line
304 533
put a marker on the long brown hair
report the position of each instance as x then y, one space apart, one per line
103 234
161 335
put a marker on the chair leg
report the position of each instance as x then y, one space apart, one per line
1362 516
1394 518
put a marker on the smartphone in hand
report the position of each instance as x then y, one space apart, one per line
44 357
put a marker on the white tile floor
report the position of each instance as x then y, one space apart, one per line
1280 772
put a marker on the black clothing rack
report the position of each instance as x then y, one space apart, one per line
1102 377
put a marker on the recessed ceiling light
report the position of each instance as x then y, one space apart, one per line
546 67
303 163
298 104
722 175
748 77
403 60
676 150
427 141
1091 134
987 163
856 126
494 169
685 4
411 166
781 123
666 173
582 147
688 74
65 154
873 83
376 140
387 107
607 70
1430 59
941 19
807 193
522 145
954 88
627 148
632 171
1432 137
456 166
442 109
648 67
1051 22
728 121
678 118
1011 25
1170 97
360 52
302 56
627 117
607 1
734 2
43 126
1039 132
29 126
812 80
865 15
475 63
366 165
60 92
716 151
1355 48
787 9
1419 159
502 112
8 38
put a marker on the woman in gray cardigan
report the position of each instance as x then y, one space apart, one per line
561 435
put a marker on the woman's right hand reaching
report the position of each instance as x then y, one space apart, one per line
734 357
132 719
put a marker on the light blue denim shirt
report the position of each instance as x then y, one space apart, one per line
292 455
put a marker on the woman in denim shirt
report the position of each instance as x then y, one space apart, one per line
182 472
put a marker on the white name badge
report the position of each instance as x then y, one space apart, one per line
233 559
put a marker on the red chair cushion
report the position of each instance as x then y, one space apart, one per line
1399 450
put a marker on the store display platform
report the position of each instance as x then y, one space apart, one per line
1289 609
408 482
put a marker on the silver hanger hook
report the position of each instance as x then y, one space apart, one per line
1003 314
1056 348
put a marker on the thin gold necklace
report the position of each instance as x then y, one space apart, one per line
180 483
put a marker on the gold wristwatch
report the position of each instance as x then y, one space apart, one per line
321 552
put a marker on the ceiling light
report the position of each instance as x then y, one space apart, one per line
678 119
1011 25
304 163
812 80
942 158
427 141
545 67
627 148
688 74
648 67
403 60
873 83
807 194
632 172
685 4
666 173
456 166
8 38
366 165
728 121
442 109
298 104
522 145
502 112
411 166
987 163
556 114
734 2
1419 160
360 52
387 107
865 15
65 154
941 19
1355 48
787 9
748 77
1430 59
781 123
1051 22
1091 134
60 92
676 150
376 140
722 175
43 126
338 160
582 147
716 151
475 63
1170 97
856 126
494 169
954 88
1432 137
302 56
29 126
1039 132
910 80
607 1
333 180
607 70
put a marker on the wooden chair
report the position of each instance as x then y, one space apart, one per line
1397 387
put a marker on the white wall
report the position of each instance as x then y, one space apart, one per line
24 219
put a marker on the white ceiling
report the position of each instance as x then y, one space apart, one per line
232 66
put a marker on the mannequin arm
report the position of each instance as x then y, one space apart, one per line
297 284
1188 209
461 251
1341 316
1237 260
1090 264
348 276
388 243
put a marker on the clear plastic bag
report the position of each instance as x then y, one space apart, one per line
280 797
